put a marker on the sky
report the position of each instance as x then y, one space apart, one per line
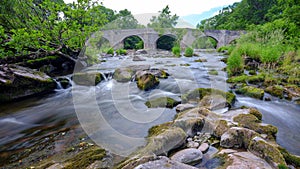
179 7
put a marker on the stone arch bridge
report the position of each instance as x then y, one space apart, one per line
150 36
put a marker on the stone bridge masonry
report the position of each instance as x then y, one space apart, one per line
150 36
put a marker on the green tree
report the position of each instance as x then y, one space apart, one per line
164 19
48 28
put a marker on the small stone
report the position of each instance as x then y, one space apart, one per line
192 144
198 133
63 133
189 139
203 147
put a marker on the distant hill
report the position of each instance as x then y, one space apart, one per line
194 19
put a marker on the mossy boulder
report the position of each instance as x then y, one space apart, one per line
266 150
237 137
255 113
252 122
123 74
162 102
87 78
165 140
17 82
160 73
221 127
198 94
146 80
275 90
251 92
213 102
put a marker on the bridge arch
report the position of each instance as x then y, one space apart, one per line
166 41
133 42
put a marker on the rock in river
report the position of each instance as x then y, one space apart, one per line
188 156
17 82
146 80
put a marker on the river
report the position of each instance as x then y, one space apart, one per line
114 114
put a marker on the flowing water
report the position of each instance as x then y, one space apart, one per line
114 114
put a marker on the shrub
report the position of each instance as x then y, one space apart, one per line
235 63
121 52
189 52
176 51
110 51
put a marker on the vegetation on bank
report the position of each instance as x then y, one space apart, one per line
268 55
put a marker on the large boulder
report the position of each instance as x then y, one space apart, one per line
123 74
237 137
17 82
87 78
191 121
163 140
163 162
213 102
146 80
267 151
250 121
189 156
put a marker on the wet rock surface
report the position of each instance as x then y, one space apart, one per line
17 82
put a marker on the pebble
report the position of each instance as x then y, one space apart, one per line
192 144
203 147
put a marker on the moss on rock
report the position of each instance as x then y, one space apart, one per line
266 150
17 82
290 158
252 122
199 93
147 81
86 157
162 102
244 79
276 91
256 113
251 92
